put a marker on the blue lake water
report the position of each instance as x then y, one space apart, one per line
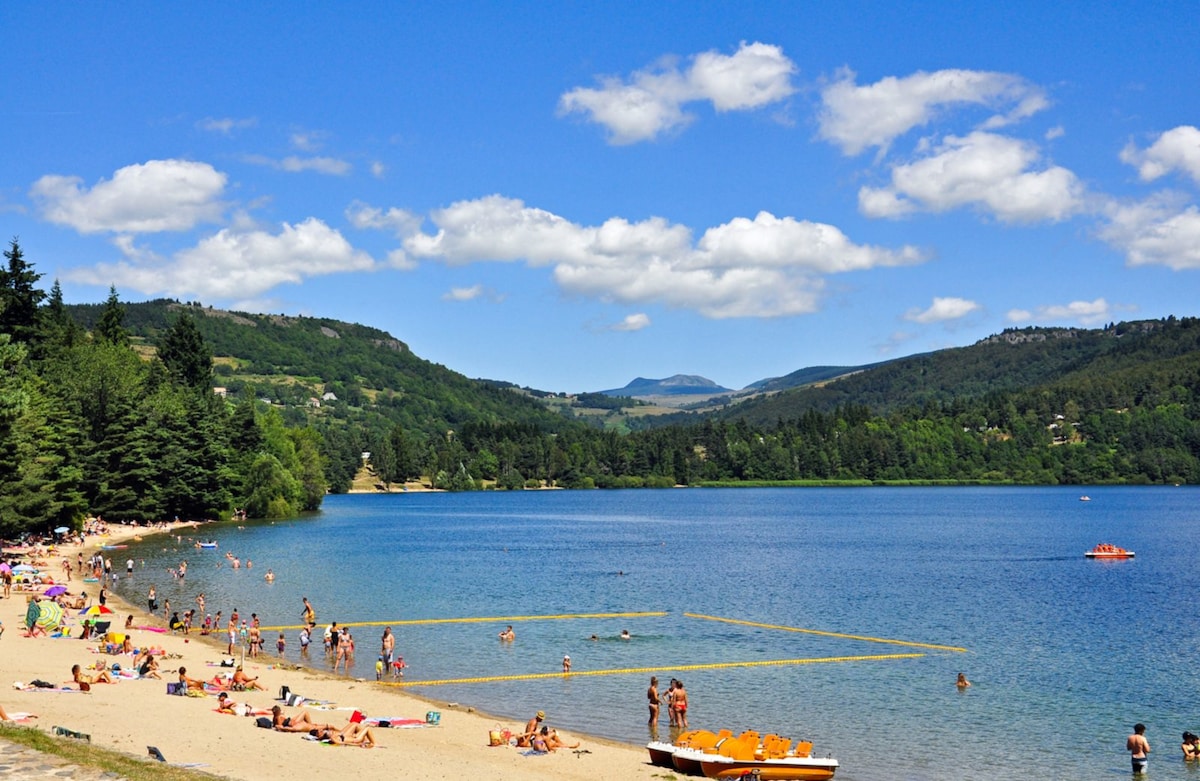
1065 653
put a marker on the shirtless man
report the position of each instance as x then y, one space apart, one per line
388 645
309 616
508 635
525 739
655 700
1138 748
246 682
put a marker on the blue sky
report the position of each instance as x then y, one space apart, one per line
568 196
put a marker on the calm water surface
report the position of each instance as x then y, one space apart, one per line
1065 653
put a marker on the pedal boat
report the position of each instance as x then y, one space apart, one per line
700 752
1106 551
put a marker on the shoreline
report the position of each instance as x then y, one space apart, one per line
132 714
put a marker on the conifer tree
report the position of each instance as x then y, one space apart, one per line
186 355
19 295
111 327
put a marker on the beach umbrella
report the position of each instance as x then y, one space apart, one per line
24 568
54 591
4 567
96 610
33 612
51 615
61 530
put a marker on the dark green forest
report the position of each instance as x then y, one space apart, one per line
144 411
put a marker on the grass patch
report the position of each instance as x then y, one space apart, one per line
105 760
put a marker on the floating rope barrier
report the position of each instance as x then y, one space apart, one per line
658 669
826 634
485 620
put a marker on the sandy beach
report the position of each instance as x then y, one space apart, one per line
131 715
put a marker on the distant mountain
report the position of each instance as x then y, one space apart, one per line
678 385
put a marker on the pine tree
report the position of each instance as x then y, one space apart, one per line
111 327
186 355
19 296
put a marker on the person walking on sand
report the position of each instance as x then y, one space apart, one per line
1138 748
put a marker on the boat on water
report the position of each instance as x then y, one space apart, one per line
1085 498
211 544
1106 551
722 755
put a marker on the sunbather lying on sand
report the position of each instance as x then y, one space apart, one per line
350 735
5 717
301 722
78 676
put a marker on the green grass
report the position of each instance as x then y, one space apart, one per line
102 759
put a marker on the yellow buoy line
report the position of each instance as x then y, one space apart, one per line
659 669
827 634
483 620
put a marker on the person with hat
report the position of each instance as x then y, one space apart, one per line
525 740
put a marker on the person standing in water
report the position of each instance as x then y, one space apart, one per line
1138 748
655 700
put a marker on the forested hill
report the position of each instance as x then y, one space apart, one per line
1120 362
355 384
298 360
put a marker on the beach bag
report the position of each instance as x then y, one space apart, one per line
433 717
175 688
495 738
264 722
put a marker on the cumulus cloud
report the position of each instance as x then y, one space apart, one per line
765 267
858 117
378 169
982 170
308 141
651 101
1177 149
1083 312
634 322
159 195
941 310
234 264
1158 231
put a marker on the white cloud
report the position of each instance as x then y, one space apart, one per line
941 310
464 293
236 264
1157 231
159 195
651 101
322 165
981 170
400 221
1177 149
765 267
1058 131
378 169
857 117
634 322
292 164
1083 312
225 125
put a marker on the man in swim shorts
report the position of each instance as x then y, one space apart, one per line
1138 748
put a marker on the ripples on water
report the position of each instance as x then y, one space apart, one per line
1065 654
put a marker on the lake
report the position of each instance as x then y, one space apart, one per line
1065 653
